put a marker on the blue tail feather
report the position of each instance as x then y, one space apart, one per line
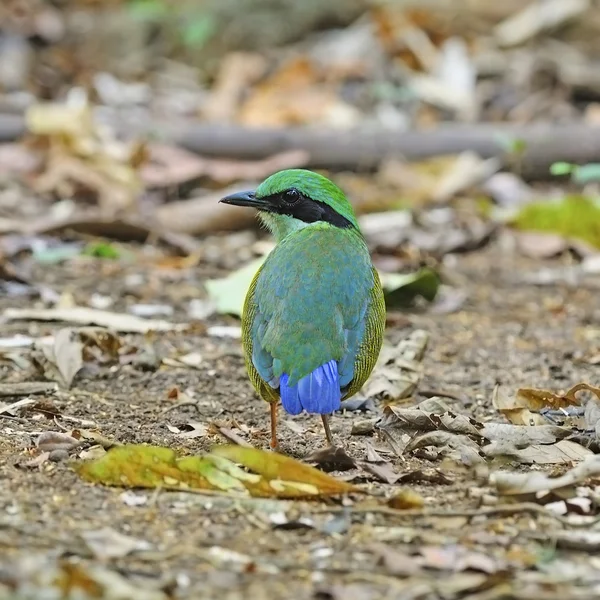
318 392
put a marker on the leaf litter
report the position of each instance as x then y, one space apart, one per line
491 333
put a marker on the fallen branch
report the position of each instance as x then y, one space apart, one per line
365 149
544 143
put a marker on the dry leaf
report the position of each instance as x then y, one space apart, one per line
523 436
66 354
405 499
532 482
562 452
89 316
457 558
382 471
515 409
106 543
80 155
398 369
294 96
55 440
536 399
153 466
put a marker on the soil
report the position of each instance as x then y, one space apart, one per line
507 332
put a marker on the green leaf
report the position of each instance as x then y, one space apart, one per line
198 31
575 217
51 256
586 173
229 293
561 168
153 466
402 289
102 250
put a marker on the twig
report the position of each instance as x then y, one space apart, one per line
17 405
193 403
29 388
500 509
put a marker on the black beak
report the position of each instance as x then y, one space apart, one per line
244 199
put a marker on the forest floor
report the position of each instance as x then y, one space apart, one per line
53 536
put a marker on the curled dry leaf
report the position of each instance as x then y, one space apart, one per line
55 440
421 419
153 466
536 399
533 482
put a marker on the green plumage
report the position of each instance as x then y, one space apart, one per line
310 336
317 297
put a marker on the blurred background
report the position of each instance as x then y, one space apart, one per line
124 121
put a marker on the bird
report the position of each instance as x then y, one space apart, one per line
314 315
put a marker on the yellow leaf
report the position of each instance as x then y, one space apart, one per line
274 466
153 466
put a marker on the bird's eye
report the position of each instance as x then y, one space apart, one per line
291 197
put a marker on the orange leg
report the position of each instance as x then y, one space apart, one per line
325 419
274 443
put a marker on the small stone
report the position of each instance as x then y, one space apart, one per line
58 455
363 427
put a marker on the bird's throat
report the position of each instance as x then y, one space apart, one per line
282 225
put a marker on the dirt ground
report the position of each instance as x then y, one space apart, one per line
507 332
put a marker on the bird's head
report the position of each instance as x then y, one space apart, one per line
292 199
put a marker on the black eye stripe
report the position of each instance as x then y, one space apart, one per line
295 204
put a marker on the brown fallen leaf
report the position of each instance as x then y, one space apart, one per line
536 399
564 451
171 166
536 244
405 499
516 409
237 71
